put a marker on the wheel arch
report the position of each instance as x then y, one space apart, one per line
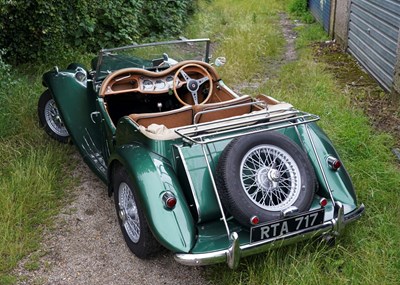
152 176
339 181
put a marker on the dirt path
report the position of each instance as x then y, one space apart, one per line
86 247
272 66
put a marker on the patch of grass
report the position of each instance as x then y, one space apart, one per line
33 263
243 31
7 279
309 34
299 8
32 173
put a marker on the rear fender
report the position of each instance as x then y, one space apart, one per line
339 181
152 176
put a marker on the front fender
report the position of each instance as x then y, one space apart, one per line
152 176
76 101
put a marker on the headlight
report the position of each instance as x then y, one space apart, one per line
80 74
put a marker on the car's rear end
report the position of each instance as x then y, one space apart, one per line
259 181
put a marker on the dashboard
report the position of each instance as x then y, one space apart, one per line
149 84
140 83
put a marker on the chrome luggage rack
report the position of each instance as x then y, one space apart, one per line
255 122
258 121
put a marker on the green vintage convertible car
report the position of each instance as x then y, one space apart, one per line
194 167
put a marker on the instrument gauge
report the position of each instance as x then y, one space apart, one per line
169 80
148 85
160 84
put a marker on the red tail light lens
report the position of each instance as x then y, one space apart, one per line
169 200
334 163
323 202
254 220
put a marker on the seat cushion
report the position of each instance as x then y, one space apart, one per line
230 111
171 119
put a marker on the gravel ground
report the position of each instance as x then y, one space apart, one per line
86 246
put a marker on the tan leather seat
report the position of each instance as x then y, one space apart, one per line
171 119
225 113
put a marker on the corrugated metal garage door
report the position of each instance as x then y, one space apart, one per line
373 35
321 10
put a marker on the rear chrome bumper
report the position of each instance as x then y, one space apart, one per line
233 254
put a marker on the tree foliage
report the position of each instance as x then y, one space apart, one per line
47 29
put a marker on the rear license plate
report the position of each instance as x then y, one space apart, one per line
287 225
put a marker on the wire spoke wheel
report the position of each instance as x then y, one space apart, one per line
53 119
270 177
131 217
129 212
50 119
263 175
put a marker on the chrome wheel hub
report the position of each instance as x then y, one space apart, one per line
270 177
128 212
53 119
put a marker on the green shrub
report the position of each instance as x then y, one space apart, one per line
46 30
299 8
164 17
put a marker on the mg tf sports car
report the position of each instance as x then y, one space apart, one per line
194 167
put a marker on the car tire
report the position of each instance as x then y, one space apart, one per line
262 175
132 220
50 119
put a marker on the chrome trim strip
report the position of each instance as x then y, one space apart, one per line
221 129
156 44
196 201
320 165
203 147
233 254
254 248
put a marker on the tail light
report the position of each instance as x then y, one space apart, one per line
323 202
334 163
169 200
254 220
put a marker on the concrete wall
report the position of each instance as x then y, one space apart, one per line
341 24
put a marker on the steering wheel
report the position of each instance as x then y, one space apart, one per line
181 77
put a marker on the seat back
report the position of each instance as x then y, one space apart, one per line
222 113
171 119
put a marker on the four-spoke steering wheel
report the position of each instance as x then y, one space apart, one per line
181 77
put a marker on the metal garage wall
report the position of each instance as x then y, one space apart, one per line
321 10
373 35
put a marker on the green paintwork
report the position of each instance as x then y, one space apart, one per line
152 175
212 235
339 180
76 102
156 166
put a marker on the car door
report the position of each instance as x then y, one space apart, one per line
107 128
76 101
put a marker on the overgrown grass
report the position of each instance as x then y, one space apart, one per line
32 175
368 251
244 32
